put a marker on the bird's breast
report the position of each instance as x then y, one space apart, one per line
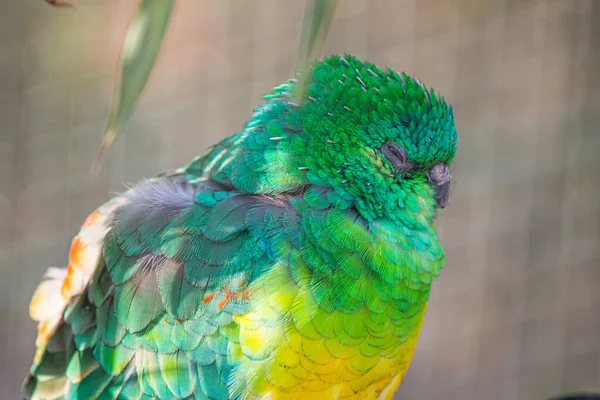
291 347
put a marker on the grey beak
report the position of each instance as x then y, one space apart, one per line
440 178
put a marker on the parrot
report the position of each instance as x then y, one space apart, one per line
293 259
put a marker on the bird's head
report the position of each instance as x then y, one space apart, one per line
381 137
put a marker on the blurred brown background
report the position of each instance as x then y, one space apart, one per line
516 312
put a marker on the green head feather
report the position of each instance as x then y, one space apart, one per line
358 103
352 109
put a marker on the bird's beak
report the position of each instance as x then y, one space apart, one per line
440 178
442 193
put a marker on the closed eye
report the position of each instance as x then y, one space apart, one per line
396 155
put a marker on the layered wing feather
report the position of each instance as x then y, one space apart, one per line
152 311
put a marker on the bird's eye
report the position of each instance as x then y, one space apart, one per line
396 155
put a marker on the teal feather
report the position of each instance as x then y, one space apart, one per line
184 340
131 390
80 315
117 385
141 365
136 302
202 355
180 298
110 329
120 265
154 375
89 388
112 359
86 339
80 365
211 382
177 373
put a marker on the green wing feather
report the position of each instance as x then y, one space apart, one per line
154 320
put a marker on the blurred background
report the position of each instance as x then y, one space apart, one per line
516 311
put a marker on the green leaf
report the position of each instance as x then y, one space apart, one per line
315 26
142 44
